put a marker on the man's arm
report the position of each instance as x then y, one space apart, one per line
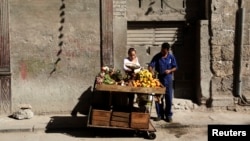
174 66
170 70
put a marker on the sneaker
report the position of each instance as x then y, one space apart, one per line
157 119
169 119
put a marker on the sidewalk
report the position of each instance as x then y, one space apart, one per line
181 119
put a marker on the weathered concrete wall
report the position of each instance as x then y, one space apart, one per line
203 62
245 89
223 19
55 47
120 32
156 10
55 52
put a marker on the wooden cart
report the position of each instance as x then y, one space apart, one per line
109 117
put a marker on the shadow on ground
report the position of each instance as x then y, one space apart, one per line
77 127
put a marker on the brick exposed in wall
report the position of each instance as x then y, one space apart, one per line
216 53
245 68
227 53
223 27
222 68
223 37
221 87
246 53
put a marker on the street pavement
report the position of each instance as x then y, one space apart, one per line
181 119
187 125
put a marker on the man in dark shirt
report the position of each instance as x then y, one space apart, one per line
164 64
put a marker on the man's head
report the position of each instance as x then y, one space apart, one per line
165 48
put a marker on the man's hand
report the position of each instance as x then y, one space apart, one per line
168 71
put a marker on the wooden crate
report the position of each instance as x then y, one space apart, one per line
101 117
139 120
119 124
120 119
121 114
100 123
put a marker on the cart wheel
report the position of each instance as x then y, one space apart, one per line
151 135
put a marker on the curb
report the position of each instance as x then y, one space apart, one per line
57 129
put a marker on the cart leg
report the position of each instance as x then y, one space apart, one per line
93 131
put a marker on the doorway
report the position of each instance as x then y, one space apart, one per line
147 36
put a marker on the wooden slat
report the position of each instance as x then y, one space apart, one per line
140 31
166 29
138 117
154 36
165 32
140 35
121 114
140 39
146 36
119 124
129 89
103 113
121 119
100 123
152 44
164 39
167 35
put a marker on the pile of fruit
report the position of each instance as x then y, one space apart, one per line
144 78
108 76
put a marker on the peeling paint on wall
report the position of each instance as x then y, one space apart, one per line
23 70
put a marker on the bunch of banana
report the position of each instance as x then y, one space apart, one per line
145 78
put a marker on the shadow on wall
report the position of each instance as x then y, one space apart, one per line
84 103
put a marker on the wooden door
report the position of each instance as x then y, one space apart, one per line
5 78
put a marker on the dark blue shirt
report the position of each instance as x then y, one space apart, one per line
162 64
